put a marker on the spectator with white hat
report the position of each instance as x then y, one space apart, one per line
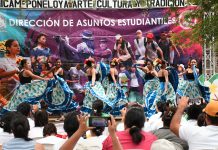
139 45
123 51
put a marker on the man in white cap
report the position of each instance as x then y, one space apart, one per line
204 137
122 50
139 45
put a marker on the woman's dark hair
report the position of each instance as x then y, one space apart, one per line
201 120
161 106
24 108
134 120
41 118
123 44
46 65
168 115
163 63
98 131
194 111
149 61
39 36
89 63
23 62
6 121
43 105
97 107
20 127
71 123
9 42
49 129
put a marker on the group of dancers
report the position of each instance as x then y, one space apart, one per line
116 82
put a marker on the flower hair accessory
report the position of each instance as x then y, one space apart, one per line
115 61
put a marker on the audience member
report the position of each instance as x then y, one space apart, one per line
155 122
166 133
71 124
204 137
5 122
25 109
133 137
50 141
20 128
193 112
41 119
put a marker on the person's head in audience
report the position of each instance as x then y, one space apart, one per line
6 121
201 120
97 107
49 129
20 127
24 108
161 107
134 121
211 111
41 118
194 111
43 105
71 123
167 117
97 131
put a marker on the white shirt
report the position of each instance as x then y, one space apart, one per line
123 79
5 137
200 138
8 64
155 122
31 122
190 122
51 142
140 47
92 143
134 80
36 133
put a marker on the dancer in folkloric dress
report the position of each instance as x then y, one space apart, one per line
55 92
114 91
93 88
165 91
9 71
150 88
190 87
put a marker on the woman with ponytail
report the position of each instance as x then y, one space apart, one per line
20 128
133 137
93 88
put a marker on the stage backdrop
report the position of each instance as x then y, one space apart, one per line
70 26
